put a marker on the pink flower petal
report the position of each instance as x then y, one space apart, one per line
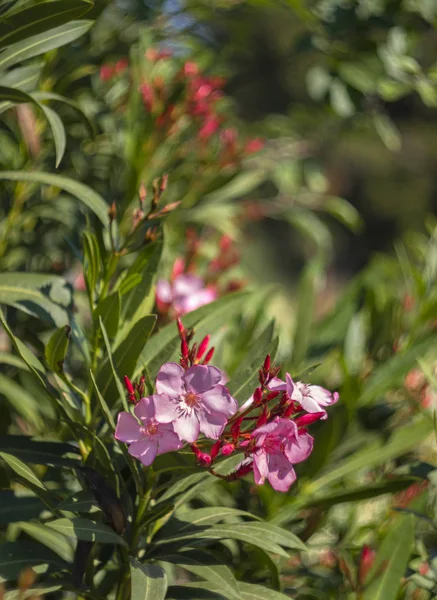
322 396
164 291
201 378
193 301
293 389
145 450
184 285
168 441
166 408
310 405
219 400
212 424
259 479
298 452
261 463
281 473
128 428
145 410
170 379
277 385
187 427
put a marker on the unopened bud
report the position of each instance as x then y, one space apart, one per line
257 395
267 363
203 459
112 212
203 346
272 395
215 449
309 418
130 389
367 559
184 349
209 356
181 328
228 449
164 181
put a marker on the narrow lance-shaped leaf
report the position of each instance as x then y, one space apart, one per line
84 529
56 349
149 582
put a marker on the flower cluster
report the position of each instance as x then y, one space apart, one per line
172 95
186 290
192 399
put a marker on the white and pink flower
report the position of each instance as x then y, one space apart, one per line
194 400
279 446
185 293
145 435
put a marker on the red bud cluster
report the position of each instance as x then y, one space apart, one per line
135 390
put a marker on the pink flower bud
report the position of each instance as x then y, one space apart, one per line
190 69
209 127
228 449
178 267
148 96
130 389
253 146
203 458
106 72
121 65
423 569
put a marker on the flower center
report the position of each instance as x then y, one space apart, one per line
191 400
150 429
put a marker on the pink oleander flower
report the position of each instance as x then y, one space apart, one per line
194 400
147 437
185 293
312 398
279 446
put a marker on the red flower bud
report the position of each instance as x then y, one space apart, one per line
203 458
181 328
184 349
267 363
228 449
257 396
235 429
203 346
367 558
121 65
130 388
309 418
209 356
272 396
106 72
215 448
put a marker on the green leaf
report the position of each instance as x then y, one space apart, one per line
43 42
242 184
127 352
58 98
403 440
340 99
358 76
208 516
36 19
91 260
20 400
194 591
388 132
22 78
105 408
27 356
266 536
391 561
392 372
85 194
56 349
206 566
58 131
243 384
344 212
318 80
57 542
23 470
47 297
15 507
17 556
84 529
251 591
31 593
136 301
364 492
149 582
108 310
121 391
40 452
